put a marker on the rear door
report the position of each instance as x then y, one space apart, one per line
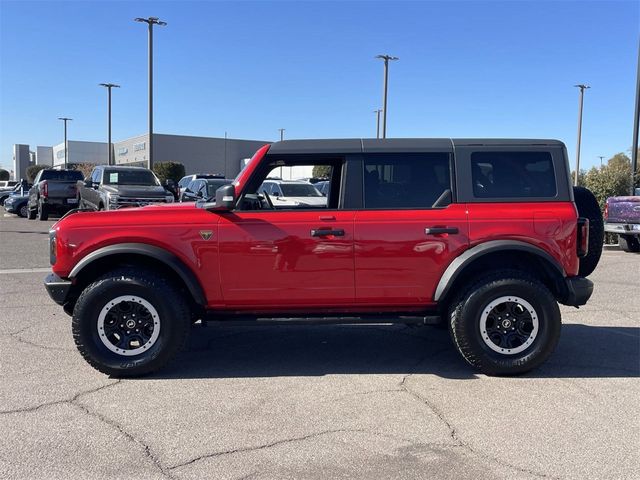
410 228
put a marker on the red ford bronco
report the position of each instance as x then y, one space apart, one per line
486 236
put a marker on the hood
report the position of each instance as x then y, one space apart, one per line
145 191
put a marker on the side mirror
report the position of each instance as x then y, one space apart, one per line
88 183
169 182
199 194
225 198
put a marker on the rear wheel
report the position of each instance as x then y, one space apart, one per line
31 213
506 323
629 243
588 208
130 322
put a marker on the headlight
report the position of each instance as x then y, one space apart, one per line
112 198
52 247
169 199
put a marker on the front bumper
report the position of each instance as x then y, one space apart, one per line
623 228
57 288
579 290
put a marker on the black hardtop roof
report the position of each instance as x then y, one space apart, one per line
360 145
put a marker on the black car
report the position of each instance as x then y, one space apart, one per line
17 204
202 188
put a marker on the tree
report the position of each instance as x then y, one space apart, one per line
4 174
610 180
169 170
85 168
321 171
32 171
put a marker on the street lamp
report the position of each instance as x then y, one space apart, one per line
386 59
109 86
281 130
582 89
151 21
601 157
65 120
377 112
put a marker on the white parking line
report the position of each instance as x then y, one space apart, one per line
11 271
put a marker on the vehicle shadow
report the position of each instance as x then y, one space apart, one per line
275 351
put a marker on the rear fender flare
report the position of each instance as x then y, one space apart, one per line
456 267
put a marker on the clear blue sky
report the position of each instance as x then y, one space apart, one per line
466 69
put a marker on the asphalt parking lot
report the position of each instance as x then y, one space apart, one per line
317 402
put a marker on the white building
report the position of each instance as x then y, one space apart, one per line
44 155
81 152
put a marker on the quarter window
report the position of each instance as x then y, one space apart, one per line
512 175
406 180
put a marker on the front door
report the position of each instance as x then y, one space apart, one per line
283 255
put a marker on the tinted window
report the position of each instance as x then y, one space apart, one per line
64 175
129 177
405 180
512 174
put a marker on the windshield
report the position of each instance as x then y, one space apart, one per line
299 190
129 177
213 185
64 175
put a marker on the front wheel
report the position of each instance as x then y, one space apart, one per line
505 324
24 211
130 323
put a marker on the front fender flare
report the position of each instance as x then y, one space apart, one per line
167 258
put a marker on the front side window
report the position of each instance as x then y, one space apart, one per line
512 175
406 180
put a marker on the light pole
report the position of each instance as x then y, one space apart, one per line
582 89
377 112
109 86
636 119
281 130
65 120
601 157
386 59
151 21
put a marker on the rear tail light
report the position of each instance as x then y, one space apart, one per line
44 188
583 236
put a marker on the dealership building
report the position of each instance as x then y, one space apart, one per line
198 154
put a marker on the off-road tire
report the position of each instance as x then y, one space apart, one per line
43 210
629 243
466 310
588 208
172 309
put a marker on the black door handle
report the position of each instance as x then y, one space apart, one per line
326 232
440 230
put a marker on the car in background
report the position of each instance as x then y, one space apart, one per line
323 187
622 216
202 188
187 179
292 193
7 184
53 191
18 204
112 187
18 187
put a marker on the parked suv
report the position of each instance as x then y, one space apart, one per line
293 193
111 187
202 188
622 215
187 179
483 235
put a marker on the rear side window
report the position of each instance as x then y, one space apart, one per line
513 175
406 180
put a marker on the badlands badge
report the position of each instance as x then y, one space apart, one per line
206 234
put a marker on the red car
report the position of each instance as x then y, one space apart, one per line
481 234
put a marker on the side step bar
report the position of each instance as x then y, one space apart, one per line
212 320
